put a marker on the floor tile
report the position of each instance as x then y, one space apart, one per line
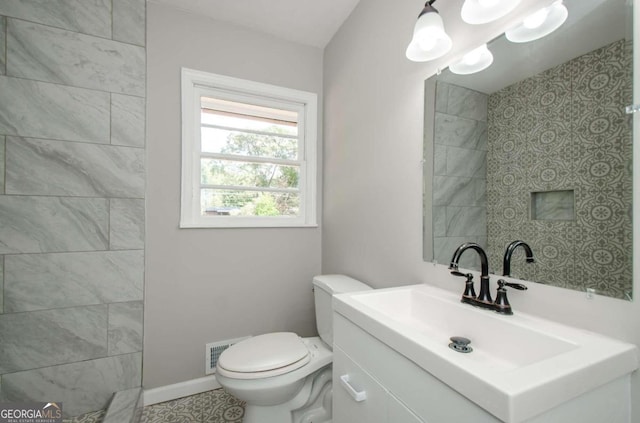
219 407
209 407
93 417
182 410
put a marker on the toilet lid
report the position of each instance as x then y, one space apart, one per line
264 353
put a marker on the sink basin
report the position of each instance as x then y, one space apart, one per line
499 342
520 366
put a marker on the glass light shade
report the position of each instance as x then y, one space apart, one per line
478 12
539 24
430 41
474 61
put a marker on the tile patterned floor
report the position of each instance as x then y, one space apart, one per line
93 417
209 407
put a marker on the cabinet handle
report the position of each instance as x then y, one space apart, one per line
358 396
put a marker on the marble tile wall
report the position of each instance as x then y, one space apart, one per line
41 339
92 18
125 328
117 277
43 53
127 120
553 205
127 16
124 406
69 382
37 109
1 288
459 186
49 224
46 167
2 141
3 44
126 224
72 185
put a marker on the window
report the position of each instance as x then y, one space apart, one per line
248 153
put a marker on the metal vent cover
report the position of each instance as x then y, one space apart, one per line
213 351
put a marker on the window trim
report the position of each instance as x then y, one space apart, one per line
193 84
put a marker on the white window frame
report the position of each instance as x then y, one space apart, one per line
196 84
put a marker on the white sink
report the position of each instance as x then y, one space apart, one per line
520 366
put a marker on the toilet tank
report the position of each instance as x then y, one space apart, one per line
325 286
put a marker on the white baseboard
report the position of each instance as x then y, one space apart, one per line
179 390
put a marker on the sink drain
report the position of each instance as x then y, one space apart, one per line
460 344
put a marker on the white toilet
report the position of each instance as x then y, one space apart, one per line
282 377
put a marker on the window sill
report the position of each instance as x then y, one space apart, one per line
245 225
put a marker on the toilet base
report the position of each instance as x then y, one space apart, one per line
312 404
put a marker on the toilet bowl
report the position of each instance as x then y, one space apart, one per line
282 377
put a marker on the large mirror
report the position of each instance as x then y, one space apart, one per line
538 148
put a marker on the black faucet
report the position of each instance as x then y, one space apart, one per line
484 297
506 263
501 305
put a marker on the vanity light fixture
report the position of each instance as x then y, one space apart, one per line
430 41
539 24
483 11
476 60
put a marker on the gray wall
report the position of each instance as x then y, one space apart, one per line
72 179
372 227
205 285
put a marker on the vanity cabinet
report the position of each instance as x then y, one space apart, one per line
373 383
360 398
396 389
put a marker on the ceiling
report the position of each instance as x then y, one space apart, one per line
310 22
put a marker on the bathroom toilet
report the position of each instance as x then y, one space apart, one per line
282 377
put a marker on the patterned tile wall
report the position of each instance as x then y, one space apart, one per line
72 178
459 182
566 129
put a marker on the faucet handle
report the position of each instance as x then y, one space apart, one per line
469 294
501 304
502 283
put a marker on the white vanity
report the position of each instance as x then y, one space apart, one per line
392 363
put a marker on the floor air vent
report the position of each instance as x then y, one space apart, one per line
213 351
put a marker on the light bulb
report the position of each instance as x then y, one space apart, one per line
428 43
488 3
472 57
539 24
477 12
476 60
536 19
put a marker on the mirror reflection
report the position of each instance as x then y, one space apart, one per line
538 148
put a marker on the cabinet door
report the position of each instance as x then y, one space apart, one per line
357 397
398 413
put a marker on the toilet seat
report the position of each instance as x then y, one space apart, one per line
264 356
